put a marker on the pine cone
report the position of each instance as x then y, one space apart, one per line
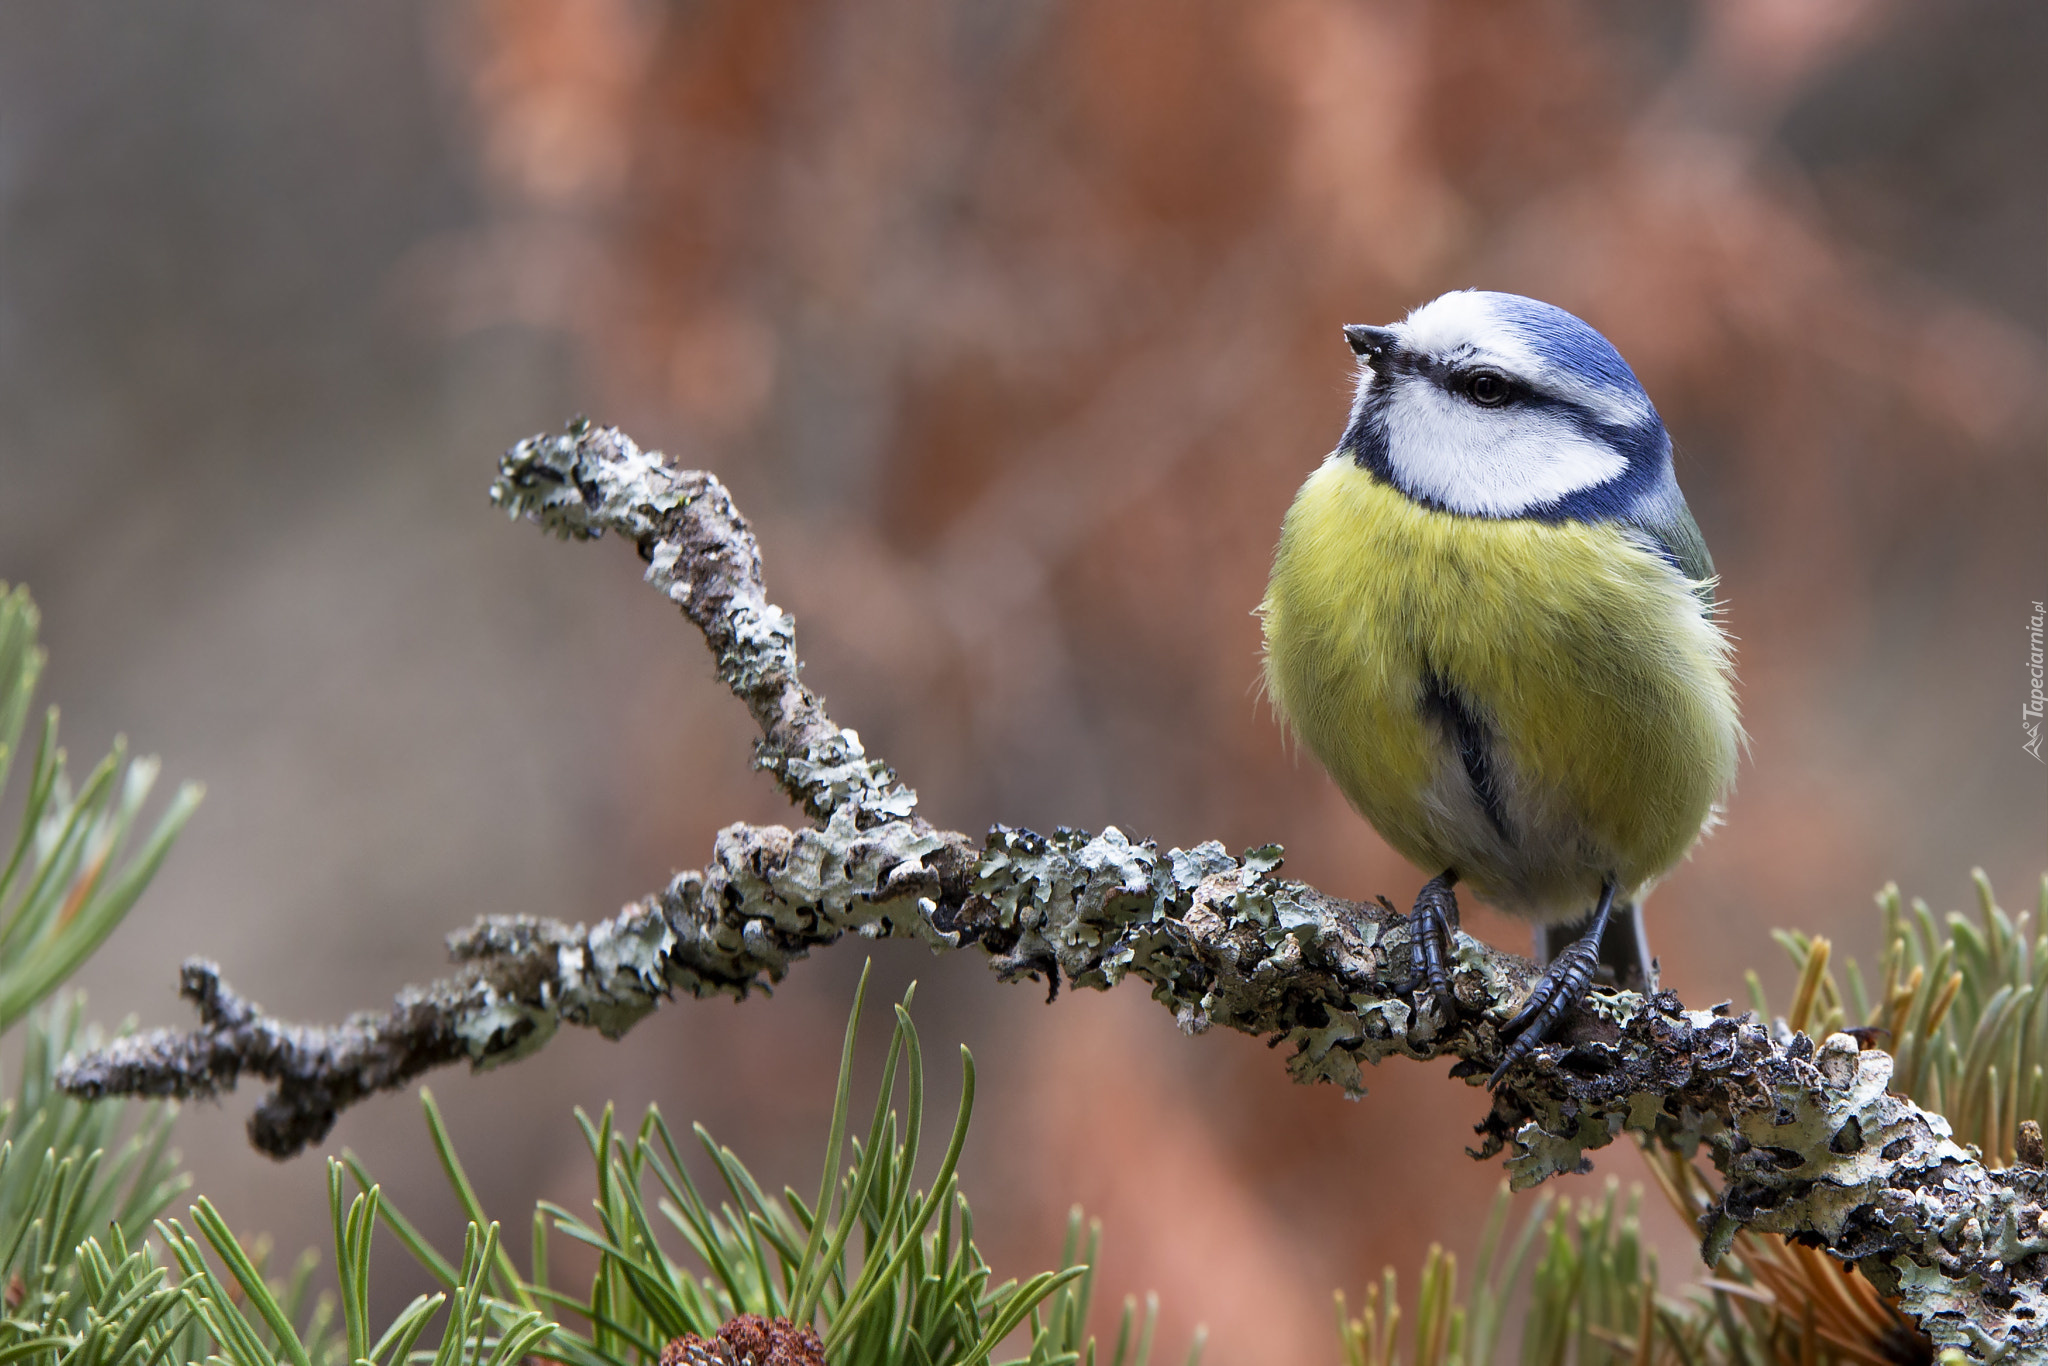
748 1340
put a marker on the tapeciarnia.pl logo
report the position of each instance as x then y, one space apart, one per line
2030 714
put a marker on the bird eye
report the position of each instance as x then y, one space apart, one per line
1489 388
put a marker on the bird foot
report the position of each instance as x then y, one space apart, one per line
1562 987
1429 944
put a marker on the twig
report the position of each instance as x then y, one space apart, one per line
1808 1139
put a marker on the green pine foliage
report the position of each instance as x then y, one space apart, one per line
70 875
90 1274
1589 1297
67 1169
1962 1006
886 1270
244 1318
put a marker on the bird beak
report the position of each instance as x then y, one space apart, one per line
1369 342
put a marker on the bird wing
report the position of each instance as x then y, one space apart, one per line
1678 538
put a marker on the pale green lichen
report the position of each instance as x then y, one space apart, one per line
633 498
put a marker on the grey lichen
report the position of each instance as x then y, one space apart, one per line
1809 1140
1811 1144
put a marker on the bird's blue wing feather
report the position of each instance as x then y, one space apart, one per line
1678 537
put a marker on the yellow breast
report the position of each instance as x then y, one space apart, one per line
1599 683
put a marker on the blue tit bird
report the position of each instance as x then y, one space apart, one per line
1492 618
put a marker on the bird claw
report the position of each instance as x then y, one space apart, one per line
1429 945
1561 988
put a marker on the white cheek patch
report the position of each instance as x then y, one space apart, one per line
1488 462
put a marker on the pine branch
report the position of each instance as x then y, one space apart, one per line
1808 1139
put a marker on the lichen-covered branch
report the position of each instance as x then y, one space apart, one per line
1807 1137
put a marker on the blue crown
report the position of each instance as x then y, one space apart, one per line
1568 342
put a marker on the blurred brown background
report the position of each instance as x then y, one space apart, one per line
1014 327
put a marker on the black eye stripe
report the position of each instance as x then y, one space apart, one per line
1454 376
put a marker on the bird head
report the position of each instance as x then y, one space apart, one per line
1496 405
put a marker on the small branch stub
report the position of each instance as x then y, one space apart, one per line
1807 1137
